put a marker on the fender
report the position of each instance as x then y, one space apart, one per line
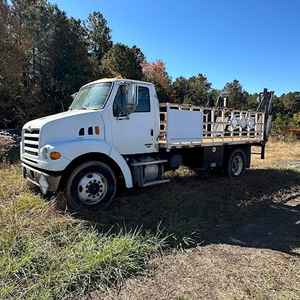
72 149
121 162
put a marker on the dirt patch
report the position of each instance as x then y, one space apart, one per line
217 272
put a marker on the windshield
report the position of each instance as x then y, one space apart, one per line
92 97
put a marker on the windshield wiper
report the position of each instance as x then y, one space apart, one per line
83 107
87 107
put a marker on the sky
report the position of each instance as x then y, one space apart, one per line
254 41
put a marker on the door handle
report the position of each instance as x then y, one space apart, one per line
123 118
151 132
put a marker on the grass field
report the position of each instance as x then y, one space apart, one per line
48 255
219 238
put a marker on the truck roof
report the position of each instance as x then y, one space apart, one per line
117 80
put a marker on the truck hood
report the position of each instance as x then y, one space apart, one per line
66 126
38 123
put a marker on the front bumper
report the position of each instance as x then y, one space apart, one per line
46 182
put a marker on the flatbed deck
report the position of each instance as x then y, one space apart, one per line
205 126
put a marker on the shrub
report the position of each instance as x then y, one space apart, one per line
6 143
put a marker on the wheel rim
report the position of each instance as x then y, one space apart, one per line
92 188
237 165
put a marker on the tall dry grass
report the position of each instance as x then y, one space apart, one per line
279 154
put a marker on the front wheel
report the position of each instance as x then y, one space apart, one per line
236 164
91 186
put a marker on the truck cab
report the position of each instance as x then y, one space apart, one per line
108 120
116 133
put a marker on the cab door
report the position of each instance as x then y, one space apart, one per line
134 133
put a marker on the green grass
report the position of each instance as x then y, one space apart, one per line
47 255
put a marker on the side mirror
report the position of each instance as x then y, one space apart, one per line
131 99
125 102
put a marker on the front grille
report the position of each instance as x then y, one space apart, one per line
31 142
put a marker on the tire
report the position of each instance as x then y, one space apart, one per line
90 187
236 164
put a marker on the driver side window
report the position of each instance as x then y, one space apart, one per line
119 105
131 99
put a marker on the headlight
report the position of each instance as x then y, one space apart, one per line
45 150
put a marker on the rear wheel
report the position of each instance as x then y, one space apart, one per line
91 186
236 164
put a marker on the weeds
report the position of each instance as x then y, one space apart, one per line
46 255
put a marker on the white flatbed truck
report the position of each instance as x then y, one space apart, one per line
116 133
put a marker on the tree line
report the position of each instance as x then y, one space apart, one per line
45 56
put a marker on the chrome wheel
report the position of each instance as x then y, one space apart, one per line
237 165
92 188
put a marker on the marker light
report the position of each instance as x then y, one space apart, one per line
54 155
97 130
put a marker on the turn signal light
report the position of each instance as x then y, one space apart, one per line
97 130
54 155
